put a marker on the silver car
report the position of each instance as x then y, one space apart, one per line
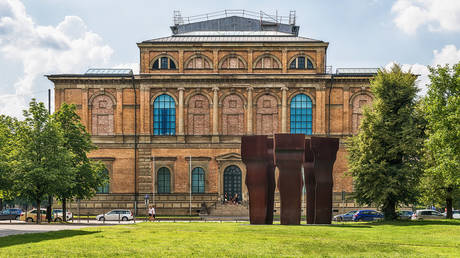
118 214
427 214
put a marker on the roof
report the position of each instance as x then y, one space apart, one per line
234 36
109 72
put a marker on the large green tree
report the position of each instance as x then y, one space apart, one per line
384 156
6 132
40 160
441 183
87 175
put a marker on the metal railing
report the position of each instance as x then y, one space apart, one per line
264 17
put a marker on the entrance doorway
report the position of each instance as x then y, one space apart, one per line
232 182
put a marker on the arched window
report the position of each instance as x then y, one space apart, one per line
267 115
164 181
198 115
104 188
301 62
198 62
232 115
164 115
267 62
357 110
232 182
164 63
232 62
301 114
102 115
198 180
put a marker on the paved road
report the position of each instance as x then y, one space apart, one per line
14 229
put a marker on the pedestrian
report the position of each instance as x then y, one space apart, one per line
151 214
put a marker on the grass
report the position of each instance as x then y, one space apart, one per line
198 239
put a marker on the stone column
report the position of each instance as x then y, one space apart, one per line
284 61
250 61
249 115
284 110
346 111
215 115
84 107
181 111
119 112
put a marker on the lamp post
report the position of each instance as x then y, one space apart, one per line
146 201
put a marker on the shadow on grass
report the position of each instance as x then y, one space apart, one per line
415 223
22 239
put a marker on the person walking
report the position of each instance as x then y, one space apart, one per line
152 213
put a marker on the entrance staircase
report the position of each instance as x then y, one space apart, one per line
228 212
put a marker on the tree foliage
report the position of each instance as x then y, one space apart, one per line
39 158
441 183
87 175
384 156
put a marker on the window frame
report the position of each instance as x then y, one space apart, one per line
307 61
301 120
166 183
169 63
164 115
201 187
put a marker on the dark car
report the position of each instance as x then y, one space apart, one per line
10 214
367 215
345 217
405 214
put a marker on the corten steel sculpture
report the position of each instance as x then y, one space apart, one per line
270 181
254 155
325 153
310 182
289 155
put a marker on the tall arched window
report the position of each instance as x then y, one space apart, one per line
198 115
267 115
106 187
102 109
198 180
232 115
164 181
164 115
358 104
301 62
301 114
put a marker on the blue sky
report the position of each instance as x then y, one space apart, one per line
57 36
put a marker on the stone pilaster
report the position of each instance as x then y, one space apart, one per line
284 110
181 111
250 111
84 107
215 115
119 113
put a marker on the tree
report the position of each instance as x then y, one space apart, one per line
441 182
87 175
7 129
384 156
40 159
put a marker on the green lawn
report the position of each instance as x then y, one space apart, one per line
199 239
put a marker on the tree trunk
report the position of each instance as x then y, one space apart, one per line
39 212
449 202
389 210
64 211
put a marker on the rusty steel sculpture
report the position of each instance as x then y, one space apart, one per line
289 152
289 155
254 153
325 153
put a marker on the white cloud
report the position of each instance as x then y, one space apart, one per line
68 47
437 15
449 54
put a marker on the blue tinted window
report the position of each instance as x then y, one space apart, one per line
172 65
198 180
106 186
164 180
301 62
164 115
156 65
301 114
309 64
164 63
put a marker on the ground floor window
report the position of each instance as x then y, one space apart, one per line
198 180
164 181
232 182
105 188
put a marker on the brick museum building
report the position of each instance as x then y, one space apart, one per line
173 131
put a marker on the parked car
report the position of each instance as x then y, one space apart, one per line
367 215
118 214
405 214
427 214
455 214
345 217
13 214
57 213
32 215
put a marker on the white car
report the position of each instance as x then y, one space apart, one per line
427 214
58 214
455 214
119 214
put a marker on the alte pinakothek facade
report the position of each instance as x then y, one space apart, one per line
176 127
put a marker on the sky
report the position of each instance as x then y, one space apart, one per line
39 37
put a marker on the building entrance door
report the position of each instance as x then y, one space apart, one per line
232 182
